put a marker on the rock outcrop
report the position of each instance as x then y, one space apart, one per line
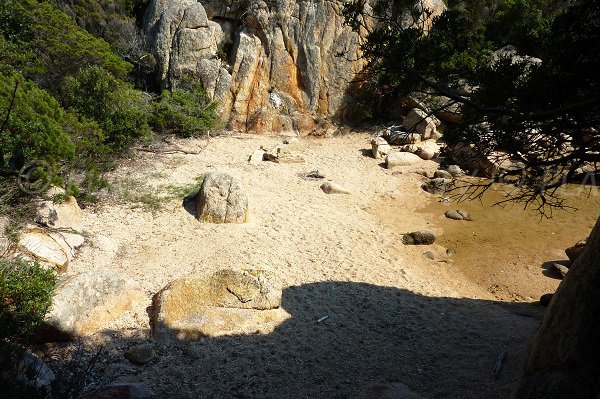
278 66
85 303
226 302
274 66
222 200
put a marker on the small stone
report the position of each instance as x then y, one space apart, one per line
455 170
401 159
425 154
380 147
140 354
314 174
422 237
443 174
35 244
293 144
60 215
458 215
284 153
429 254
561 269
420 122
437 186
332 188
450 251
257 157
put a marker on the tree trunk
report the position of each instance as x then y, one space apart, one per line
564 355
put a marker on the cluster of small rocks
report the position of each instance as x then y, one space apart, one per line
289 151
407 144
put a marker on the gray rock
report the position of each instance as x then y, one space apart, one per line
418 121
429 255
85 303
458 215
332 188
442 174
397 135
283 153
140 354
25 368
401 159
422 237
188 37
380 148
60 215
437 186
455 171
222 200
561 269
36 244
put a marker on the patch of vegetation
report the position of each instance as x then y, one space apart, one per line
121 111
186 191
185 110
138 195
25 296
44 44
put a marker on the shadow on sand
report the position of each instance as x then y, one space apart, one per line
439 347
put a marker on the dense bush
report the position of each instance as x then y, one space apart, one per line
186 110
25 296
45 45
38 129
120 110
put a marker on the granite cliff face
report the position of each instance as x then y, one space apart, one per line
275 65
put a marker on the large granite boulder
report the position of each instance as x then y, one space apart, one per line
222 200
226 302
85 303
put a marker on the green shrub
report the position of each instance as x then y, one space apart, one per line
186 110
46 45
25 296
121 111
37 129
